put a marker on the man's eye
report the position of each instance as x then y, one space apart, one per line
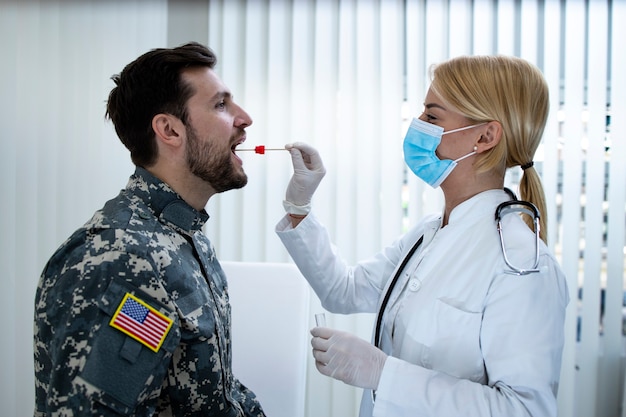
221 105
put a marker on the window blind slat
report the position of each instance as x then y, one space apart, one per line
460 27
389 141
253 94
506 28
616 222
347 139
594 141
483 26
368 106
528 28
594 173
572 173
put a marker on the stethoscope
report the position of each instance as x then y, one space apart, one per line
521 207
512 206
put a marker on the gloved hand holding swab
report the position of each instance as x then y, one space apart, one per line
260 149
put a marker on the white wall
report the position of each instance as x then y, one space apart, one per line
336 74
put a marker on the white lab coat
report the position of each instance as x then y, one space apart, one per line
465 338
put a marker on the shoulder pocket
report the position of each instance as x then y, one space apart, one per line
131 350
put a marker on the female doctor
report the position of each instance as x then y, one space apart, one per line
468 325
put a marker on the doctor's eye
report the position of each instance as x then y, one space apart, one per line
427 117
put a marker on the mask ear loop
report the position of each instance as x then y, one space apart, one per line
462 128
521 207
467 156
475 150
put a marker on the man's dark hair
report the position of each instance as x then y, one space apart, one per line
150 85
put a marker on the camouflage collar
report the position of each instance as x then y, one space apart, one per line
166 204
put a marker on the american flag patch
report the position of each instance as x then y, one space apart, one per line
141 322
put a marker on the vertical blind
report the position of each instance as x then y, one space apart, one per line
345 76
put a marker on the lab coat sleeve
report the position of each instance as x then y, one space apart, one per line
341 288
522 341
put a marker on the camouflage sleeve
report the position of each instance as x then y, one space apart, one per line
248 400
86 364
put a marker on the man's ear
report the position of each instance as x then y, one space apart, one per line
491 136
169 130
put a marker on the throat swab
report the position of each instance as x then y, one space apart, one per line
260 149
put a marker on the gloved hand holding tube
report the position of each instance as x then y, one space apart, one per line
308 171
348 358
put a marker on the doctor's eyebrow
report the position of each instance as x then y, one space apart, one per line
431 105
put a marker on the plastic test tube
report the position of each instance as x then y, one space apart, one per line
260 149
320 320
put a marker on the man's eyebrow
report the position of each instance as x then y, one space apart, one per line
222 95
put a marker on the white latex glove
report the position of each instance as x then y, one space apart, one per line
308 171
345 357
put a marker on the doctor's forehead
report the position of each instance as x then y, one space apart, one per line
433 101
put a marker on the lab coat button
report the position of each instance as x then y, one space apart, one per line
414 285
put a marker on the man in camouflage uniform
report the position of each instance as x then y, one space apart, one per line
132 315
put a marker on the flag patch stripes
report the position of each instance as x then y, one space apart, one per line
143 323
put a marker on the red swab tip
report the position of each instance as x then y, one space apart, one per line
259 149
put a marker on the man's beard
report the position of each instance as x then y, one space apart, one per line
212 165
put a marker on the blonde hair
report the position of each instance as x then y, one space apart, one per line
514 93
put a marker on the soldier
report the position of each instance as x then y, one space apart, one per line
131 312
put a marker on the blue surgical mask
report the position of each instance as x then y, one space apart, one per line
420 143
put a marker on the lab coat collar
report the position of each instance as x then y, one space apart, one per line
477 206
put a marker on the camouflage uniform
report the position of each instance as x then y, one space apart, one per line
146 244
